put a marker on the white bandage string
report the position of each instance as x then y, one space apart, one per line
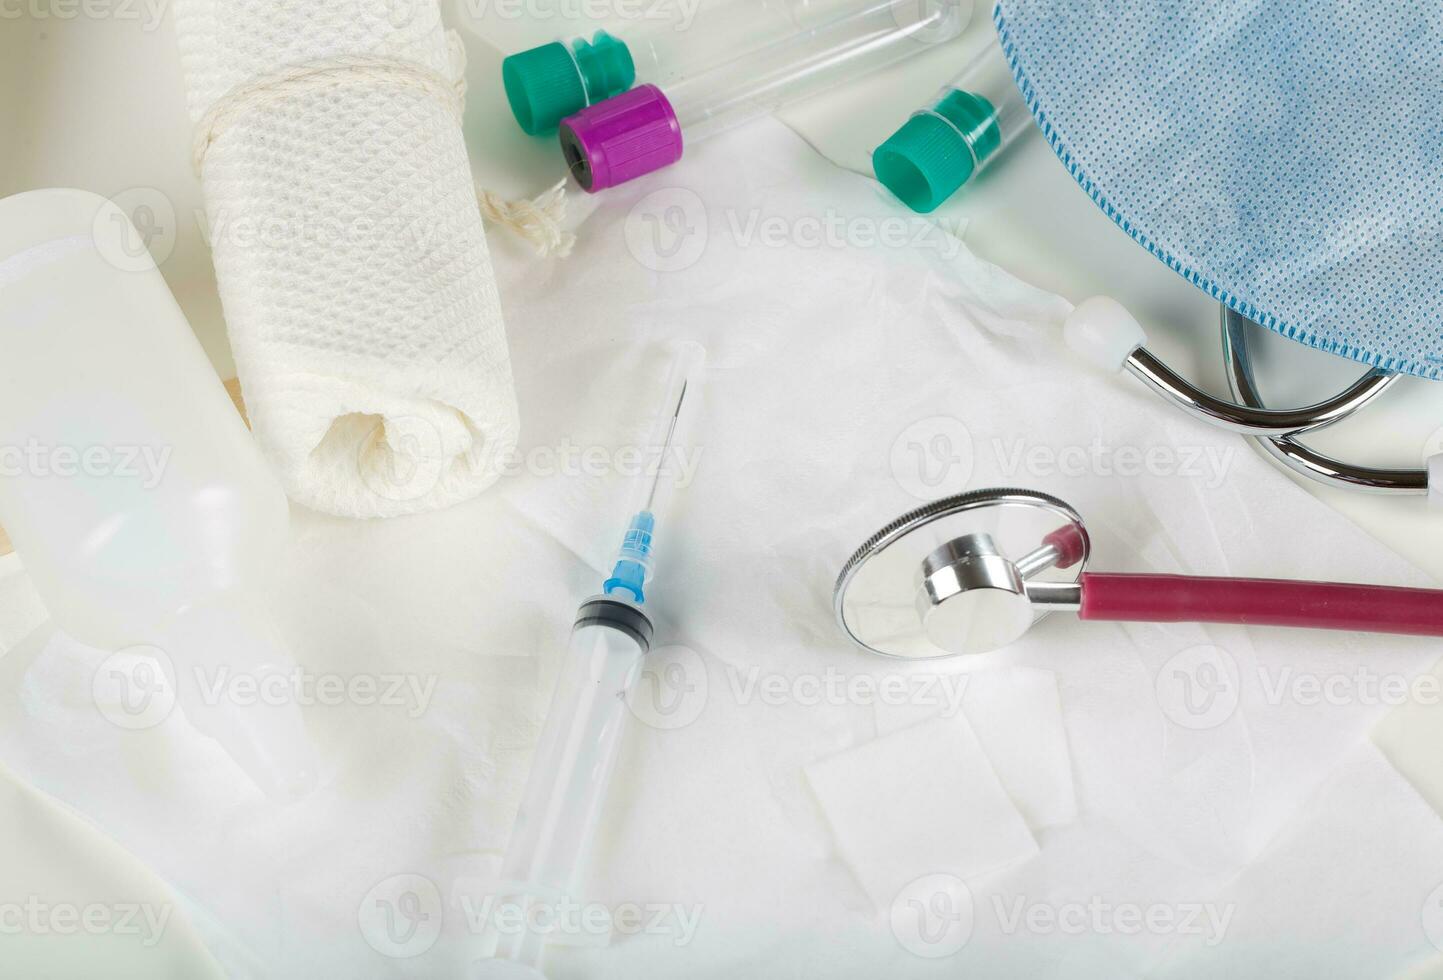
537 221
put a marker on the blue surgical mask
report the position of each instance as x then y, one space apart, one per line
1287 158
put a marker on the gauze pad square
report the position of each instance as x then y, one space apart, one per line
1017 717
1018 720
921 801
1344 892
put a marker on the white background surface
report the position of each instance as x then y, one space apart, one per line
96 102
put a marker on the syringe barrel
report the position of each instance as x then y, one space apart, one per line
574 760
547 83
643 130
956 136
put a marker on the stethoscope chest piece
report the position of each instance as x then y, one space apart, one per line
972 573
964 575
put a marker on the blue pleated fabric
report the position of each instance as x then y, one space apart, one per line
1286 156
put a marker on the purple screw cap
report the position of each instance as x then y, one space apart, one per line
621 138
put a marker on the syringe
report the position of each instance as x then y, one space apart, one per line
577 749
636 559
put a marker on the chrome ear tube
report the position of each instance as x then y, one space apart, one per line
1105 334
1289 451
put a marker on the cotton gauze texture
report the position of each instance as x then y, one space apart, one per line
348 248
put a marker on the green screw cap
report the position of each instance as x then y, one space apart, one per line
938 150
546 84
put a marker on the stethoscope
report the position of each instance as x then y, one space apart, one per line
1102 331
972 573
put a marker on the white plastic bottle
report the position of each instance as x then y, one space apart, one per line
131 489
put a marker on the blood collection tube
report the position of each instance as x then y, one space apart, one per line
549 82
641 130
957 136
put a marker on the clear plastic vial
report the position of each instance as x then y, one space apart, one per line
134 495
642 130
547 83
960 134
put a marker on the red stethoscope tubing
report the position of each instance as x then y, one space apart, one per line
1261 602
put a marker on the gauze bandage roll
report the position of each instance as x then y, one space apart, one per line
348 248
